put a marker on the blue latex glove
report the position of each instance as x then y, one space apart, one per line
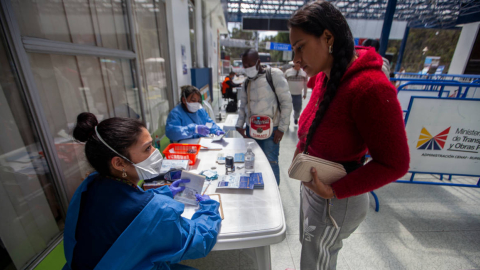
174 187
201 198
219 132
202 130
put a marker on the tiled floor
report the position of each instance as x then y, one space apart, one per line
418 227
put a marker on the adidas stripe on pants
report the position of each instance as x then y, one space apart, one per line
321 234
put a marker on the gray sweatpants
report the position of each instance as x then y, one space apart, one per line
323 226
297 106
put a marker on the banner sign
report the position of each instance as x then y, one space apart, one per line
278 46
444 135
405 96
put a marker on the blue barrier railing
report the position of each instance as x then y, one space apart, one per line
460 92
438 76
431 88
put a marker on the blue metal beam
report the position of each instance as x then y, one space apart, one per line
279 6
387 26
418 13
258 8
402 49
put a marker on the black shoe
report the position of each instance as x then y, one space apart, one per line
296 121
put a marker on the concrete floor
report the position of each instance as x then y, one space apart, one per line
418 227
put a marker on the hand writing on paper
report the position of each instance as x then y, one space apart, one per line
317 186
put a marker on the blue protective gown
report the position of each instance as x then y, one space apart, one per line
181 124
157 238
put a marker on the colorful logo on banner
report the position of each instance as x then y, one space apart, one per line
428 142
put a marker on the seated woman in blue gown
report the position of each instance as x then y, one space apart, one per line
112 223
188 119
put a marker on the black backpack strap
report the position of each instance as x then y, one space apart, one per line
270 82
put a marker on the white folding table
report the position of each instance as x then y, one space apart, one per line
252 218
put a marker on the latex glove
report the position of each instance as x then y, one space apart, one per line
202 130
202 198
175 188
219 132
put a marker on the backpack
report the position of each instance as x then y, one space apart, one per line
268 75
231 106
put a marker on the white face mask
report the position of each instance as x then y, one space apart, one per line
147 169
251 72
194 106
150 167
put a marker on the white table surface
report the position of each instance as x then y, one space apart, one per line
252 218
230 122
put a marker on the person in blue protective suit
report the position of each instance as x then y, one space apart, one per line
188 119
112 223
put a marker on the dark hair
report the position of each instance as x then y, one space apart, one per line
118 133
232 73
187 90
251 51
314 18
371 43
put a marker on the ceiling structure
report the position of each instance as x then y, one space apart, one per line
418 13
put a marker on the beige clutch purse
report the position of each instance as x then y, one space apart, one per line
328 172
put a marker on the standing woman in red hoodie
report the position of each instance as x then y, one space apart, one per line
353 108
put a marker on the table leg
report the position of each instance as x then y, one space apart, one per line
264 261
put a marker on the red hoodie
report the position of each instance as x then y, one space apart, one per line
365 113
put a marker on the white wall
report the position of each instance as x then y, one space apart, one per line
178 35
373 28
464 48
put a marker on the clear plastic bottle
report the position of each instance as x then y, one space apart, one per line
249 159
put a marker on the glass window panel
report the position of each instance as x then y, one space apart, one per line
152 64
69 85
30 211
97 23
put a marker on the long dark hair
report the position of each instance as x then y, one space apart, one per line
314 18
118 133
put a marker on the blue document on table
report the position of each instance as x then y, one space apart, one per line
235 181
239 158
257 180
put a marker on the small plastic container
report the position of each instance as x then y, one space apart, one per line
180 151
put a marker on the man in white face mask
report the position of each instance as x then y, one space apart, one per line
265 107
188 119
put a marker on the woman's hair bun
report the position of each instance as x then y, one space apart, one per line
85 127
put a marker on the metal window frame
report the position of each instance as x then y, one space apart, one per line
19 47
165 49
39 45
31 93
